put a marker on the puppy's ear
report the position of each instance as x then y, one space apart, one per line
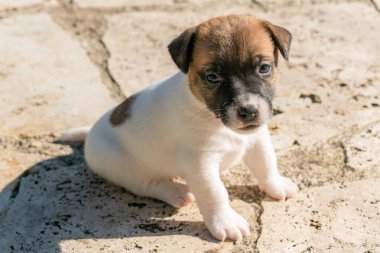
281 38
181 49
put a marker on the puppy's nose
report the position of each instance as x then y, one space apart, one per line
248 112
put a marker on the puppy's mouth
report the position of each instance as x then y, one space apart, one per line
249 127
230 119
242 127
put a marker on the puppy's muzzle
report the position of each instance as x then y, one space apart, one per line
248 113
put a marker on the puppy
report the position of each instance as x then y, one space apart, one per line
199 122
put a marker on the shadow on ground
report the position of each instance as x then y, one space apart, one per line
59 199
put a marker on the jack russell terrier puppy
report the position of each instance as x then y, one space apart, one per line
198 123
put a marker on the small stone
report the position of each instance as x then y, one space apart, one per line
339 111
315 99
36 144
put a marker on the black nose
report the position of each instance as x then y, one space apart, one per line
248 112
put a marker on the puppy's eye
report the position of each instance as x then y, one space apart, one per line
265 68
214 78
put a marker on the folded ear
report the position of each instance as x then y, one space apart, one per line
181 49
281 38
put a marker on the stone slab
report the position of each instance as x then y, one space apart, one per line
350 156
331 62
332 218
47 83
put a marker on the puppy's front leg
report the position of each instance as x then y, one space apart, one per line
201 171
261 160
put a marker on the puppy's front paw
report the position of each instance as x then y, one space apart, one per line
227 224
279 188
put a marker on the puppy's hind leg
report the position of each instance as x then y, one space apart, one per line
117 167
175 194
112 161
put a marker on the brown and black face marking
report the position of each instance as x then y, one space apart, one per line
123 111
225 58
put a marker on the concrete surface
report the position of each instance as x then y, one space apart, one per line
347 219
19 3
45 73
63 63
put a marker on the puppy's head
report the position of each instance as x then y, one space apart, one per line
231 62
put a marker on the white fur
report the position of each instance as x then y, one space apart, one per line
171 133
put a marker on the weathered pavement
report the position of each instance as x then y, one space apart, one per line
64 63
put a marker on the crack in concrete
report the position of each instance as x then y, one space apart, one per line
40 144
345 166
328 160
88 28
259 227
345 156
260 5
375 6
246 190
31 9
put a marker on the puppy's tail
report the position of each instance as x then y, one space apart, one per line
76 134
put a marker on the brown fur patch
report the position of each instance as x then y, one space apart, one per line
232 37
236 39
123 111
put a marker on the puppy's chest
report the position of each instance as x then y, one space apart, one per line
231 144
230 149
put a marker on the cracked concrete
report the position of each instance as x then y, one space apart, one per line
17 7
88 28
375 4
64 63
61 79
318 222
